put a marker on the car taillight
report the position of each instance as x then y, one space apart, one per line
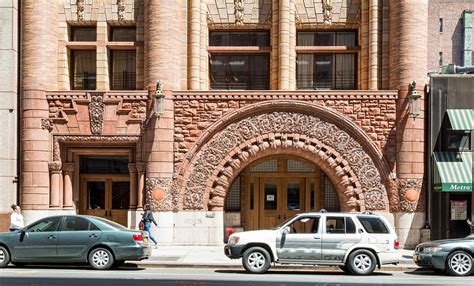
138 237
396 244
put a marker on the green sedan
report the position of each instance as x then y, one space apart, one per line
74 239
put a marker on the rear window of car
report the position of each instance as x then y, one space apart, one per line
373 224
111 224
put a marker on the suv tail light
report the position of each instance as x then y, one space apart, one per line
138 237
396 244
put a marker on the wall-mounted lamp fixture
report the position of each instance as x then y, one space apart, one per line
159 97
414 101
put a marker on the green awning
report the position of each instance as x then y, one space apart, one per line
452 171
461 119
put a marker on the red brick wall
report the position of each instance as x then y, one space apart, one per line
376 117
4 222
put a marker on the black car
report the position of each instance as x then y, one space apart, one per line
74 239
454 256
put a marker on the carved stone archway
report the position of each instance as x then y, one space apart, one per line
339 147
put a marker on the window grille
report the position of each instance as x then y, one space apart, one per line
265 167
299 167
232 201
331 202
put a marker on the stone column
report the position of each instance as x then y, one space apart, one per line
55 183
194 53
364 45
133 185
274 55
39 57
292 46
408 62
284 45
68 172
204 43
141 167
373 44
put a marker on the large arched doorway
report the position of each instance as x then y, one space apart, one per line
275 188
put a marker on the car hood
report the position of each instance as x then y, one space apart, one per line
443 241
264 236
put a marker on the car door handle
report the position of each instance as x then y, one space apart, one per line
93 235
317 237
52 237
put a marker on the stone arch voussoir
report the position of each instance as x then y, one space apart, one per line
328 139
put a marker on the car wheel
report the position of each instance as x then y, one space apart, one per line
101 259
256 260
4 257
459 263
361 262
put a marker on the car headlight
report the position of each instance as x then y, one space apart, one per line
431 249
233 239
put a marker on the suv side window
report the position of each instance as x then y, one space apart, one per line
305 225
340 225
373 224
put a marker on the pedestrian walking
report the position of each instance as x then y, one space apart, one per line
16 219
147 220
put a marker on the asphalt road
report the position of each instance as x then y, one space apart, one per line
84 276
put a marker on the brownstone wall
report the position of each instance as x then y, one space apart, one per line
449 42
4 222
193 115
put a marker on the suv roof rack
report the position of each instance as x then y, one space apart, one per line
368 212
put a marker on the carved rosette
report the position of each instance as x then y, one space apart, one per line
327 11
96 113
80 10
410 194
163 183
120 9
211 172
239 12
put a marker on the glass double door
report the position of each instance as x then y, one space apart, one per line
106 196
279 199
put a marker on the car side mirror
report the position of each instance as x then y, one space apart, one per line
361 230
285 230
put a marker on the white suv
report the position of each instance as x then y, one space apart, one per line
356 242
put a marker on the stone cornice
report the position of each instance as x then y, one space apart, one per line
299 95
108 95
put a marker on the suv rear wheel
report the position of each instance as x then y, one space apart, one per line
361 262
256 260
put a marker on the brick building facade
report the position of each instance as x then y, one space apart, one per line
175 104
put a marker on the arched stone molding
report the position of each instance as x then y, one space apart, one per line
328 139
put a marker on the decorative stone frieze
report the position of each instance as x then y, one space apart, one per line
80 10
120 9
96 113
163 184
252 13
410 193
239 12
327 11
210 165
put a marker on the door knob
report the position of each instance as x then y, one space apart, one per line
93 235
51 237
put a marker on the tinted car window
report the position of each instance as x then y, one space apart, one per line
350 225
373 224
110 224
45 225
335 225
77 224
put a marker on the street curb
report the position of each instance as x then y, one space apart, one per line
279 267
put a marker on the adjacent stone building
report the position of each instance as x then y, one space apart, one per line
223 114
9 33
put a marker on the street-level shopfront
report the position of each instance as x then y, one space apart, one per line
452 122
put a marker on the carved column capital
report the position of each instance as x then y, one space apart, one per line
132 168
68 167
55 167
141 167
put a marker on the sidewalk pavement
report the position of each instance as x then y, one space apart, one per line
214 257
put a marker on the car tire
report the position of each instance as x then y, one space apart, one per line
361 262
101 259
4 257
256 260
459 263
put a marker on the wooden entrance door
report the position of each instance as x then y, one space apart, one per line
106 196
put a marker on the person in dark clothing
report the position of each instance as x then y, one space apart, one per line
147 220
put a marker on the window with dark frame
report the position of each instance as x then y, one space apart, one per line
83 69
232 200
82 34
441 25
122 34
326 68
123 73
239 68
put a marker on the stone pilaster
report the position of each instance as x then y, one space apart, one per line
373 44
132 168
284 45
204 43
194 45
274 38
364 45
68 175
39 73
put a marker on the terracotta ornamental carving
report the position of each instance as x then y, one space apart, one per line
80 10
327 11
340 155
410 193
96 113
120 9
239 12
171 194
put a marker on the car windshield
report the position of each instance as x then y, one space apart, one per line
111 223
